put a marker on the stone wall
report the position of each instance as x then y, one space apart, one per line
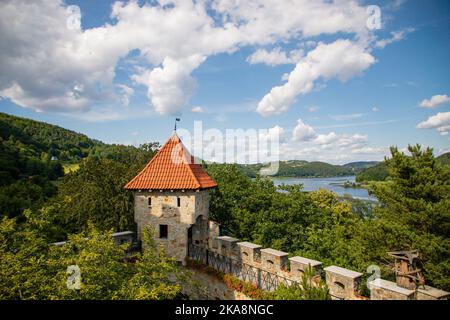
209 287
164 210
344 284
191 218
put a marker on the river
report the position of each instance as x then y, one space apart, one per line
333 184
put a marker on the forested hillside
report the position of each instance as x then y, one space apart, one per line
444 158
32 155
380 172
40 205
44 141
360 165
413 213
301 168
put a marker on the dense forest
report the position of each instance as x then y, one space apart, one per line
380 171
32 156
40 204
360 165
413 213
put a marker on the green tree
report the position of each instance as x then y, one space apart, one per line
311 287
156 276
415 211
31 269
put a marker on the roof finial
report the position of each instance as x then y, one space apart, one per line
176 119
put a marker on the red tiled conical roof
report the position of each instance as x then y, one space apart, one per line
172 168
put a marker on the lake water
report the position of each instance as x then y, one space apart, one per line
332 184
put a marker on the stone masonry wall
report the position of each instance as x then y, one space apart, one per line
209 287
344 284
164 210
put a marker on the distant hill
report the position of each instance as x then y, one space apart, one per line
444 158
301 168
46 140
32 155
379 172
360 165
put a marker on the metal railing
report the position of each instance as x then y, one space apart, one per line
261 278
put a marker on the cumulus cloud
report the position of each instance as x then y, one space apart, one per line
440 121
370 150
127 92
342 59
436 121
331 147
46 66
171 85
395 36
197 109
435 101
275 57
303 132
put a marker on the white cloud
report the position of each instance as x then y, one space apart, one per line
435 101
273 134
275 57
443 131
371 150
395 36
264 21
332 153
313 108
342 59
303 132
197 109
171 85
46 66
440 121
375 109
326 138
343 117
127 92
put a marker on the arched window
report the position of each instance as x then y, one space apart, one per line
339 285
339 289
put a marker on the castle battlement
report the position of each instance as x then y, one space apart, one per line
171 195
267 268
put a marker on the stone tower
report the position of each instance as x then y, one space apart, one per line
171 196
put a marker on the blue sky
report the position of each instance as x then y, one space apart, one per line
365 90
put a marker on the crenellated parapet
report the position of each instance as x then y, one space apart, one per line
343 283
267 268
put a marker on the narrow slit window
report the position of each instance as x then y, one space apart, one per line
178 202
163 231
149 201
